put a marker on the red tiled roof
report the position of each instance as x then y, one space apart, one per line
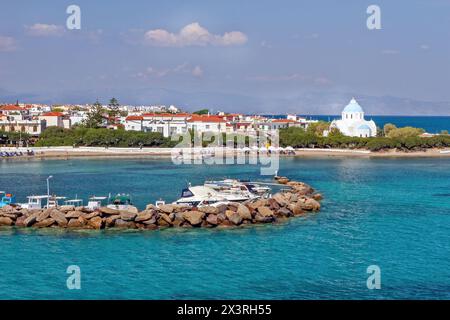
53 114
166 115
284 120
197 118
131 118
11 108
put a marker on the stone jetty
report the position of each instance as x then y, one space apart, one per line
296 199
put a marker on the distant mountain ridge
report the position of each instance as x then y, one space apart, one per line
307 103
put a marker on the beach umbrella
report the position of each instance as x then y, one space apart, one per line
289 148
273 149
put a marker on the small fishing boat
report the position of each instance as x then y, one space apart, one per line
74 202
96 202
34 202
53 201
120 201
7 199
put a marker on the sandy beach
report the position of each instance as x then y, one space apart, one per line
70 152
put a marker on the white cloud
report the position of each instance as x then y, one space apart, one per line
7 44
424 47
45 30
193 35
321 80
183 68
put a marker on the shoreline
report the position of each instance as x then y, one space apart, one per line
96 152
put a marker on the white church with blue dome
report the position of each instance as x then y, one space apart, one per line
353 124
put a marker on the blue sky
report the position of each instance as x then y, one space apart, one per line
259 56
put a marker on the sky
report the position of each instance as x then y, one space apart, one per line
308 57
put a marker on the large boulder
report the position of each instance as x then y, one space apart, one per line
59 217
212 219
6 221
65 209
96 222
263 219
144 215
44 223
127 215
124 224
309 204
91 215
280 199
30 220
317 196
73 214
208 209
177 219
284 212
20 222
166 208
79 222
110 220
258 203
43 215
233 217
296 209
195 218
108 211
265 212
164 220
244 212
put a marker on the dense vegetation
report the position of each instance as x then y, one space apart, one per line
391 137
13 138
94 137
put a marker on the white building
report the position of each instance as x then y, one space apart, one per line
353 123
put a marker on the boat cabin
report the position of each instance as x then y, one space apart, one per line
96 202
34 202
7 199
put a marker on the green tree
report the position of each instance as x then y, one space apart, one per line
388 127
202 111
95 116
318 128
405 132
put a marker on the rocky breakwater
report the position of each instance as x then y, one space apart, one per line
296 199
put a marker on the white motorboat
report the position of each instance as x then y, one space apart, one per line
234 185
203 196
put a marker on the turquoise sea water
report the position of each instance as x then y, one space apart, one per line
394 213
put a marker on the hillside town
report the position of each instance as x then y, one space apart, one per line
33 119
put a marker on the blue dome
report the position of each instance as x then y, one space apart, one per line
364 127
353 106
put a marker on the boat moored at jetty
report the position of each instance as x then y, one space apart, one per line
203 196
95 202
7 199
235 185
120 201
34 202
53 201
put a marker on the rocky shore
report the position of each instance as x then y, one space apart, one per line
296 199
